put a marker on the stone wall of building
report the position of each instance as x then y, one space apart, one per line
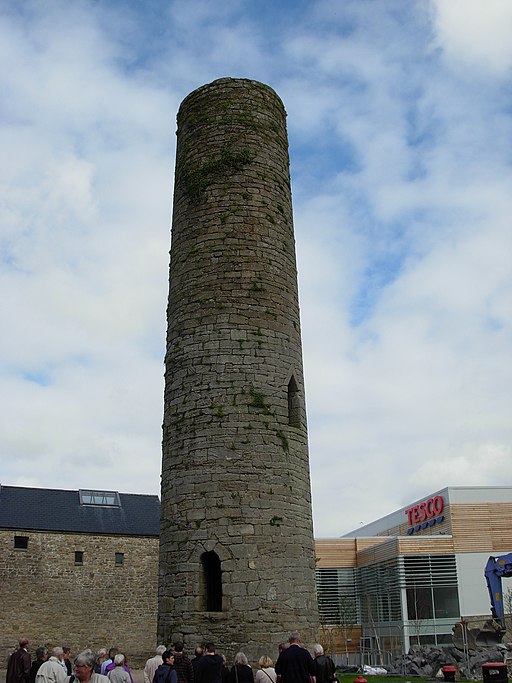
46 596
237 558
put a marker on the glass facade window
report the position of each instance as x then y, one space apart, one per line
444 639
428 639
336 591
446 602
435 639
419 603
378 587
431 587
406 599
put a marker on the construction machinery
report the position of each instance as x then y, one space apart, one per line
493 630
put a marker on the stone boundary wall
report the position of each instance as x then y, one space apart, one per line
52 601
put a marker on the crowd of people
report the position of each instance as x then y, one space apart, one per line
171 665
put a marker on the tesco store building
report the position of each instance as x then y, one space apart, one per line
407 578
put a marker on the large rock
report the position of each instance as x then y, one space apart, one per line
428 660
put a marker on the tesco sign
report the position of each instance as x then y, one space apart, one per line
425 514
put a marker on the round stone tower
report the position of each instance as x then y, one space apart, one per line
236 550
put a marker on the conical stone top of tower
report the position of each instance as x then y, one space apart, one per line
237 554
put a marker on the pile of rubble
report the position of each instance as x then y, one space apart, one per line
427 660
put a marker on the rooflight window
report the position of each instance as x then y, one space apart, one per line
102 498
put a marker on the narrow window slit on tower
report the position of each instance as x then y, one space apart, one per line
293 403
212 581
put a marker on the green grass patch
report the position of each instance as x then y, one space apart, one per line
348 678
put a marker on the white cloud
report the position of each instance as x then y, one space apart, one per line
415 394
475 33
401 177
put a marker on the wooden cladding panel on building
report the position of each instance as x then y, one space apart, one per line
345 639
362 543
334 553
344 552
476 527
385 550
482 527
341 552
425 546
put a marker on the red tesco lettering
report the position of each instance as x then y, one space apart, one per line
425 510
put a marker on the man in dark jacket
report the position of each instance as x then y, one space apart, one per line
41 657
182 664
209 666
324 666
165 672
295 664
198 653
18 668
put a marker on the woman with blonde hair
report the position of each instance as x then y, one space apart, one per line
266 672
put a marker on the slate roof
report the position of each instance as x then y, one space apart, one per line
57 510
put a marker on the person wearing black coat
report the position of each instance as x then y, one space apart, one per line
325 669
41 657
209 667
241 672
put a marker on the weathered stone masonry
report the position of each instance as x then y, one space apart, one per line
78 568
47 597
236 547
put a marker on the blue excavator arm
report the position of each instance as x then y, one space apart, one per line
495 569
493 630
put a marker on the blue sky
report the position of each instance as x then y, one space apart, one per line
399 118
